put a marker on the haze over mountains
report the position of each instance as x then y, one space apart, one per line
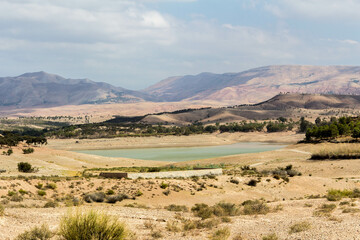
41 89
259 84
44 89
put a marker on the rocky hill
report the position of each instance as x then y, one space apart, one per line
259 84
283 105
44 89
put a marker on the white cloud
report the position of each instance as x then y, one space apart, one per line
316 9
60 23
130 44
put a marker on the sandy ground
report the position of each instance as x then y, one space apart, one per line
101 112
250 227
290 196
316 179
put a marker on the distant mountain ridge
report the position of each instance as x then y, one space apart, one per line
44 89
258 84
41 89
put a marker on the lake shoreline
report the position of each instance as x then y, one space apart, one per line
201 140
182 154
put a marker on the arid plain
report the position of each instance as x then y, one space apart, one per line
288 202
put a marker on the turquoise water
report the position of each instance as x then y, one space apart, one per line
180 154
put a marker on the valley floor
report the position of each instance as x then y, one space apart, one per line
295 201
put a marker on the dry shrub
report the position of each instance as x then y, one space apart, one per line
255 207
116 198
300 227
91 225
177 208
337 151
336 195
2 210
173 226
221 234
221 209
351 210
94 197
37 233
324 210
156 234
200 224
270 237
51 204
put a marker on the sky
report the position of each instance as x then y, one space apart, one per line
134 44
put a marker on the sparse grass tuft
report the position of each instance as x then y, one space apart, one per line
325 210
37 233
156 234
173 226
221 234
177 208
41 193
51 204
300 227
351 210
270 237
51 186
2 210
255 207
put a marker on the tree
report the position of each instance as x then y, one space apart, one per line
24 167
356 133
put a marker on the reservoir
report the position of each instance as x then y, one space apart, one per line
180 154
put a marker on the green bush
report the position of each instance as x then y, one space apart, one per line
8 152
252 183
41 193
51 186
28 150
235 181
37 233
91 225
24 167
110 192
336 195
164 185
23 192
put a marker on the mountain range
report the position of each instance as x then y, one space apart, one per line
42 89
259 84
